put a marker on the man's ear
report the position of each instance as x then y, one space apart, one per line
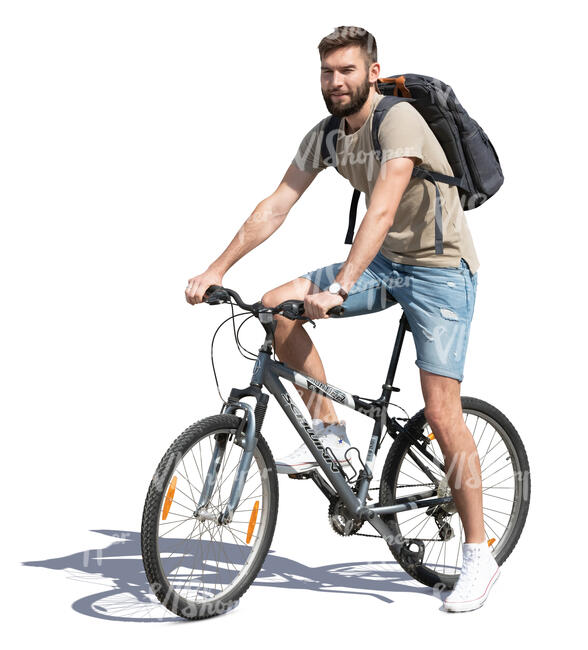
374 74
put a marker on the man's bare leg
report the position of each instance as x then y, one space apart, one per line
295 348
445 417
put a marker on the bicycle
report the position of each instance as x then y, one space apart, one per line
218 479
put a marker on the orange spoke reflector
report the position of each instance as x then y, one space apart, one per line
491 541
169 497
252 521
431 436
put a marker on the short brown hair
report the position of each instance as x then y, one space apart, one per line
348 35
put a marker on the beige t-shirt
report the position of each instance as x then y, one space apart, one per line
403 132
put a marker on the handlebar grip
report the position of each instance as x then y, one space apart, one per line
212 288
222 296
336 311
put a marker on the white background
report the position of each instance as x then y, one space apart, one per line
136 137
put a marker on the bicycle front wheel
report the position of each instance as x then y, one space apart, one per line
196 566
428 541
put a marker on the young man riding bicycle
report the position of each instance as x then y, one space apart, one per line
392 259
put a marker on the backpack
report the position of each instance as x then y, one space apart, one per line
471 156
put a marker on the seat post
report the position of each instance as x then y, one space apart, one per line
403 327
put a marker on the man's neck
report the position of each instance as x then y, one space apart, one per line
354 122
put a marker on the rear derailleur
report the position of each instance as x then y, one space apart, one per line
443 512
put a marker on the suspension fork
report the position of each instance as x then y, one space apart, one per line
217 456
248 444
247 441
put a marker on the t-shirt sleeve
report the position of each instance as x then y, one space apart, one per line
308 157
402 133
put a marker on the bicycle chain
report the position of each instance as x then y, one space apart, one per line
408 485
416 485
380 537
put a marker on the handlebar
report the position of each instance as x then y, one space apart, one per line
292 309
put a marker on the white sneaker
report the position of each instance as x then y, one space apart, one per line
301 460
335 437
479 572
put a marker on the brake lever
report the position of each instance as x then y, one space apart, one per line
290 314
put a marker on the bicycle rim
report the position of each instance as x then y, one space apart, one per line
202 561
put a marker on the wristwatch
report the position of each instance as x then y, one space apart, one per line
337 289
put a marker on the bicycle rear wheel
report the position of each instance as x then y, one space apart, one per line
197 567
428 541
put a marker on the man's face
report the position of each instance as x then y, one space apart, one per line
345 80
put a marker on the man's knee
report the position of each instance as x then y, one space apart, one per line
272 299
442 414
435 416
294 290
275 296
269 299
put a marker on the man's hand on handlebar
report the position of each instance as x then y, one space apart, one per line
316 305
200 283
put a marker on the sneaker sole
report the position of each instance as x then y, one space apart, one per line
282 468
470 605
295 469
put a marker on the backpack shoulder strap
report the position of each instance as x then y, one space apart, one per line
329 141
384 105
352 216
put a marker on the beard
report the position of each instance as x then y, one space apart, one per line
357 99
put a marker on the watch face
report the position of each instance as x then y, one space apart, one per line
334 288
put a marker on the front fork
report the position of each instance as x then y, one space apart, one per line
247 441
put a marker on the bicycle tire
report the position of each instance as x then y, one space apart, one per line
154 547
416 428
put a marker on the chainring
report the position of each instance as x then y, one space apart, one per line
341 520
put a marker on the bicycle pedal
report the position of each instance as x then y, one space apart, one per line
302 475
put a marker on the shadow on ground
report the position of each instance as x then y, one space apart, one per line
123 594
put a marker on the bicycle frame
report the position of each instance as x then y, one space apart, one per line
268 373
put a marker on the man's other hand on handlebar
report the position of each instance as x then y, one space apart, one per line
316 305
199 284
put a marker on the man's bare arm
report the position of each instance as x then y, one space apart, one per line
267 217
394 177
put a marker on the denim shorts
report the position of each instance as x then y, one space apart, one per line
438 303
